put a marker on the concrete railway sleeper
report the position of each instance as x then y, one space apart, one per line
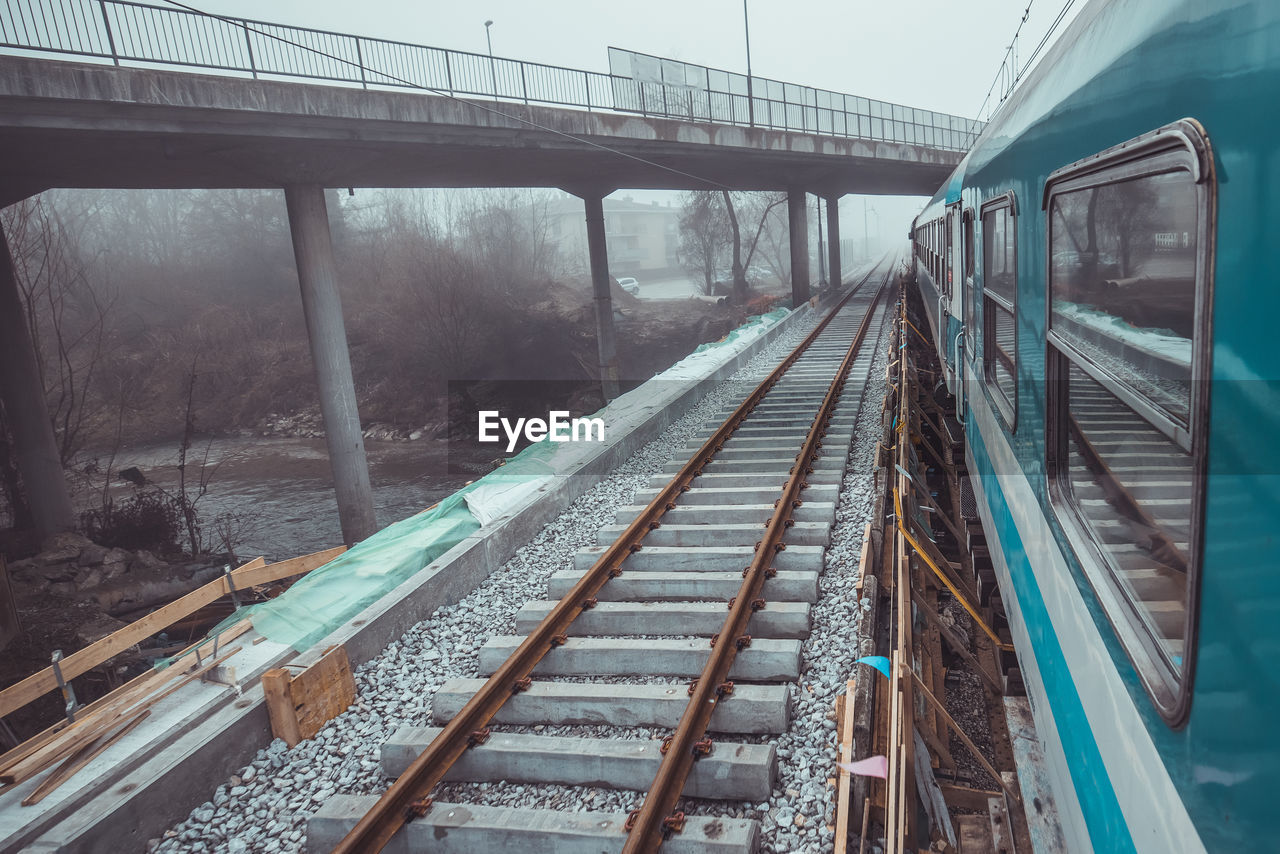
745 496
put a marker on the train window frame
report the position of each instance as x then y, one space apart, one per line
967 237
1007 409
1180 146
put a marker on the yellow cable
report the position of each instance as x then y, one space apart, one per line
897 505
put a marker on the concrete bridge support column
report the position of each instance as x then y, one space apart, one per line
798 225
606 338
313 249
35 448
833 240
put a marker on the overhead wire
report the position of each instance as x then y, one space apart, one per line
1011 67
446 94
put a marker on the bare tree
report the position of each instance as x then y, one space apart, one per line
740 265
66 313
704 234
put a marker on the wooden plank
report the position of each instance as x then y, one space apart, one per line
1001 830
844 721
974 832
300 705
87 729
284 719
965 798
81 758
934 740
954 641
960 734
865 558
251 576
84 660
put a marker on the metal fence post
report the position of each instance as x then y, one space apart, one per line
448 72
111 39
524 85
360 59
586 83
248 43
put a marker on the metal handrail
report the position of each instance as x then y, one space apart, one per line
123 31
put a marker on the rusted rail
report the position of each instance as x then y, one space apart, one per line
409 796
656 817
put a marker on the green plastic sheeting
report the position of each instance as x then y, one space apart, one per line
754 320
329 596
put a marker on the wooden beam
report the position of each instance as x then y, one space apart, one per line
960 734
251 576
843 804
84 660
253 573
79 759
87 729
300 705
955 642
962 797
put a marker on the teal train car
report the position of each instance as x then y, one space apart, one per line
1098 275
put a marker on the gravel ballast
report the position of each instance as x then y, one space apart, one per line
264 807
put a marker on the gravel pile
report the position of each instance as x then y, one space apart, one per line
264 807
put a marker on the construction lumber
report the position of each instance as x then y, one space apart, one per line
85 730
964 739
844 721
299 705
253 573
81 758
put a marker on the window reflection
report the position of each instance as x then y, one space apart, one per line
1133 489
999 278
1123 281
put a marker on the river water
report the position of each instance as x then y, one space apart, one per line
285 487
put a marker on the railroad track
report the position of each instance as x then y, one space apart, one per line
708 577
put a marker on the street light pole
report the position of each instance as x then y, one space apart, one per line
493 74
751 105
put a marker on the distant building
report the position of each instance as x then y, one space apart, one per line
642 238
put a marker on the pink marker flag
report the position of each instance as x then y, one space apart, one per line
872 766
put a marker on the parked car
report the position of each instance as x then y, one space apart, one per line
629 285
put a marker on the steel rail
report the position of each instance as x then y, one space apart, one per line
655 818
408 797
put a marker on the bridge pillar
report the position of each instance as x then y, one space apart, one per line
833 240
606 339
35 448
313 250
798 225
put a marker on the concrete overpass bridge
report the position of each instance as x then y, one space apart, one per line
251 104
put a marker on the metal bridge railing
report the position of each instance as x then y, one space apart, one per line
129 32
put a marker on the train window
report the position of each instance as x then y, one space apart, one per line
946 242
999 303
968 243
1129 286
